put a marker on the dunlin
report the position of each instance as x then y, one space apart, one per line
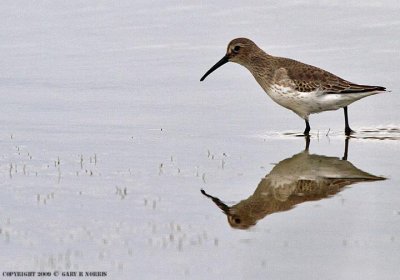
302 88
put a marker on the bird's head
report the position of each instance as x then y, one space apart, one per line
239 51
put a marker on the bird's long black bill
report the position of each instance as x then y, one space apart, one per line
219 203
224 60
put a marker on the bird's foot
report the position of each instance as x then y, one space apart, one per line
348 131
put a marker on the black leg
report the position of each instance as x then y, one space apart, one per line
346 149
347 129
307 130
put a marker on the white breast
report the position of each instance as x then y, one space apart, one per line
306 103
302 103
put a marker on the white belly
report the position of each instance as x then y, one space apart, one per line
306 103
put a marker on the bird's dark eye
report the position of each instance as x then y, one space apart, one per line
236 49
237 220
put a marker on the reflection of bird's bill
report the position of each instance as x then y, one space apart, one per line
225 208
234 220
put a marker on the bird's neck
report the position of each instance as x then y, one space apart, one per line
262 66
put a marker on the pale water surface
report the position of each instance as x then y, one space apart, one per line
107 137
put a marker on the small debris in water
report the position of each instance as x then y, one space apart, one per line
160 169
216 241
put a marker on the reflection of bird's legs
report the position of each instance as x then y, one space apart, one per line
307 137
346 148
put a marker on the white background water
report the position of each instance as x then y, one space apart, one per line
107 137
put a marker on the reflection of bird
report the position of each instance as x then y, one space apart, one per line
300 87
303 177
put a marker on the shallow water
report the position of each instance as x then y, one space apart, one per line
107 137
